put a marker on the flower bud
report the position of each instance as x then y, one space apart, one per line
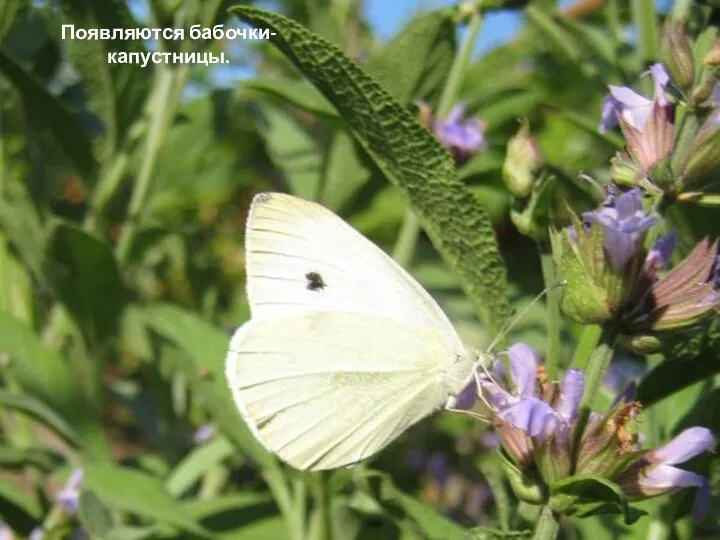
522 161
712 58
583 298
703 159
677 55
624 171
526 485
531 216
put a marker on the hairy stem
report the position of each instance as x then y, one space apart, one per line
594 374
553 301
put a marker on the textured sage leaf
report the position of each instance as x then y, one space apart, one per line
409 157
41 412
66 128
84 274
416 62
297 92
132 491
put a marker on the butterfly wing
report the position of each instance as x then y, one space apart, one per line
302 257
327 389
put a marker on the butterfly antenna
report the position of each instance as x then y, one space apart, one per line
474 415
510 324
478 385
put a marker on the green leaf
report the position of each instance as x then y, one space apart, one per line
409 157
196 463
689 358
416 62
38 410
547 25
135 492
344 173
21 223
8 11
93 515
115 91
123 532
590 126
292 150
422 519
296 92
589 495
46 375
65 127
203 364
241 516
14 457
17 509
83 273
485 533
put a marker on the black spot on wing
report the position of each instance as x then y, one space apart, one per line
315 281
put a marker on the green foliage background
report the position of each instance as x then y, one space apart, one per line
123 196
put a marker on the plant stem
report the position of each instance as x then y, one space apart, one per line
407 239
300 498
553 300
321 499
681 10
410 231
162 108
547 525
596 368
586 345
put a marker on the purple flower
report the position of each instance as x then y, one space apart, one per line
203 434
660 253
462 137
522 409
621 374
623 225
635 109
654 474
68 496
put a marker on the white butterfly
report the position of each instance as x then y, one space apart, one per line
344 350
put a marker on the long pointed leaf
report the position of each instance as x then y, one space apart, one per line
409 157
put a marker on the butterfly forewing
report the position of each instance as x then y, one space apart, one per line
302 257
